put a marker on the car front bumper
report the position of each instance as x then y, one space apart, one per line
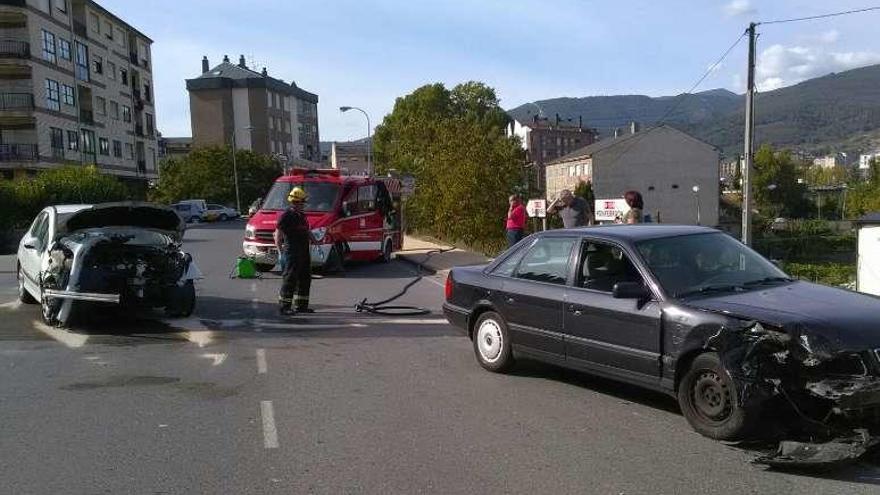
267 254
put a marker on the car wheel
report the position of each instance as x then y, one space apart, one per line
184 302
223 217
264 267
709 400
23 295
491 342
49 308
387 249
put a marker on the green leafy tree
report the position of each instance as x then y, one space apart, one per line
453 142
864 196
776 188
207 173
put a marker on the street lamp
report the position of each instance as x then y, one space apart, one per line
235 167
696 190
369 137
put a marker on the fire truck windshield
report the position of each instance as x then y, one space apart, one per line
322 195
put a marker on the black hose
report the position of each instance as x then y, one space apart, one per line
382 307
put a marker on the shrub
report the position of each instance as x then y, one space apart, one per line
836 274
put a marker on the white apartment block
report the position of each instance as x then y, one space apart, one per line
76 87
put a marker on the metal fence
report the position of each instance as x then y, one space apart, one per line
18 152
15 48
16 101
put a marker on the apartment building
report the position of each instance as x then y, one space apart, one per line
261 113
351 157
545 140
76 87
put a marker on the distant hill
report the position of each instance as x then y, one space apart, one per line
815 115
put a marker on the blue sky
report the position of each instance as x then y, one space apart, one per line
366 53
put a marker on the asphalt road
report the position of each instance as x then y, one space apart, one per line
240 400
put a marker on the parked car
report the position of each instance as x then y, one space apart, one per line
220 213
121 254
685 310
190 212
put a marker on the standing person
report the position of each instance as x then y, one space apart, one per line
636 205
293 227
573 210
516 220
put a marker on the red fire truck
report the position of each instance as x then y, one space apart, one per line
353 218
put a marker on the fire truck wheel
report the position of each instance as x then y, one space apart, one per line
387 248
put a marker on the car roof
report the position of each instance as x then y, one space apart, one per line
62 209
635 233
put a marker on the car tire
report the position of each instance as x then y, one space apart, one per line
491 341
223 217
387 250
264 267
23 295
184 302
48 310
709 401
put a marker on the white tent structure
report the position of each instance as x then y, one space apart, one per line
868 276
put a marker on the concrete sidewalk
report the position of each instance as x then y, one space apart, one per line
416 251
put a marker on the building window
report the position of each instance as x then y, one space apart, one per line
108 30
123 77
117 148
49 47
114 110
88 143
149 125
53 97
82 62
126 113
95 22
104 146
57 142
99 64
129 151
111 70
72 140
61 5
120 36
100 105
64 49
148 93
67 95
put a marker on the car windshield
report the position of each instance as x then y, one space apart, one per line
322 195
702 263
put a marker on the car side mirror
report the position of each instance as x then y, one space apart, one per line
29 245
630 290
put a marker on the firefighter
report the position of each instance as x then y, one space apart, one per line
293 227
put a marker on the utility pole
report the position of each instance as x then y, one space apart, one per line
749 144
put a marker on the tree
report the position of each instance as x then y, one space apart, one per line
776 188
207 173
864 196
453 142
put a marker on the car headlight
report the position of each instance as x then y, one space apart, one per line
319 233
250 232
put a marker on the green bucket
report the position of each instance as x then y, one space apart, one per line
245 268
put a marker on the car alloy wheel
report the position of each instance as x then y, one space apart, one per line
491 343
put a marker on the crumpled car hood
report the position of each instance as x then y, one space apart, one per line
849 318
127 214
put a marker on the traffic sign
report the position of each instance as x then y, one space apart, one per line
408 185
537 208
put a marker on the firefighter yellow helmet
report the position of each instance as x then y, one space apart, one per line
297 195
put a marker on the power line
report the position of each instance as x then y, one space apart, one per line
822 16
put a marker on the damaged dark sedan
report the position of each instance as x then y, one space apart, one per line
128 255
689 311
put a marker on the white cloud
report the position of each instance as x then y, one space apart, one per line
829 36
781 65
739 7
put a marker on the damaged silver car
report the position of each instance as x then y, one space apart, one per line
129 255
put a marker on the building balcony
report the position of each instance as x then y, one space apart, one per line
14 49
87 117
19 153
16 102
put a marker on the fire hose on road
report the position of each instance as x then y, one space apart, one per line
382 307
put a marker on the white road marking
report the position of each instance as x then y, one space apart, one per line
261 361
435 282
270 433
293 325
199 337
218 358
406 321
72 340
253 286
11 305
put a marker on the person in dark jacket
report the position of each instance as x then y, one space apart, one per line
294 238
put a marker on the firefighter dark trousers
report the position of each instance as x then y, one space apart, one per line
297 280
